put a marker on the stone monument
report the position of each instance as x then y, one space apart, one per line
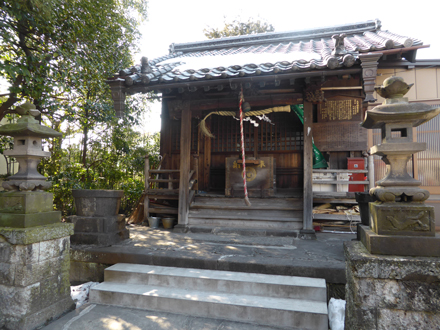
34 243
393 274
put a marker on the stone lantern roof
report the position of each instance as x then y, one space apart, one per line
27 133
27 125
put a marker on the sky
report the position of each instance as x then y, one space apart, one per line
177 21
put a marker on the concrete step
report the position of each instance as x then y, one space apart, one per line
294 313
219 281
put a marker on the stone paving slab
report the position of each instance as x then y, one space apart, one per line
105 317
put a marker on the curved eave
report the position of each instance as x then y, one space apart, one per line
140 88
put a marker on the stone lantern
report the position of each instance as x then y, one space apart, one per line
27 133
393 273
34 243
401 224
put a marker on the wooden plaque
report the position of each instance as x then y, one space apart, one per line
340 108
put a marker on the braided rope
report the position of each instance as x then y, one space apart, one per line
208 133
246 198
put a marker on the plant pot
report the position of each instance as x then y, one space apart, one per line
97 203
154 222
168 223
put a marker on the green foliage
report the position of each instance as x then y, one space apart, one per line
238 28
115 161
50 48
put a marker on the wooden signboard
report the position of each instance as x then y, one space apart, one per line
340 108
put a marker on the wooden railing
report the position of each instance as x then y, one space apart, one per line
170 192
364 182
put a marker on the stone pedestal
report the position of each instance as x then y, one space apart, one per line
97 221
24 209
34 275
389 292
98 230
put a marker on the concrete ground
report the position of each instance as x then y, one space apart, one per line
321 258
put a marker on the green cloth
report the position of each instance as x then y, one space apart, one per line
318 158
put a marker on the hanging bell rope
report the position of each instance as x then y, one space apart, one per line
208 133
246 198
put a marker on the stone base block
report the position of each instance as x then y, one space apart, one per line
98 230
402 219
29 220
400 245
21 209
387 292
26 202
34 275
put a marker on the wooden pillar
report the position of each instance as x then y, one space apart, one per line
308 170
147 186
185 166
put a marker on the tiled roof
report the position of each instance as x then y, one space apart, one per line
266 54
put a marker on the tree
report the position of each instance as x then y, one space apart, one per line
48 46
238 28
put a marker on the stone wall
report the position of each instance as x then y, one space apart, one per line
390 292
34 275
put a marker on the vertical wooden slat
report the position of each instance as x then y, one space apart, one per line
255 142
308 165
185 154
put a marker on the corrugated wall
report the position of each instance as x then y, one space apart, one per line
428 161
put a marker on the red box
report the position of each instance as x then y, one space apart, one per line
356 164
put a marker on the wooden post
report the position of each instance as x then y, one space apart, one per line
207 158
308 170
185 166
147 186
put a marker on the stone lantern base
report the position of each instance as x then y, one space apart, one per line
388 292
401 229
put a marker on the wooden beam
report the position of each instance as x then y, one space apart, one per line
308 168
268 100
185 166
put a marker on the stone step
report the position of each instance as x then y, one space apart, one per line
293 313
220 281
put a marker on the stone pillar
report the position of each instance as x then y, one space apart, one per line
388 292
34 260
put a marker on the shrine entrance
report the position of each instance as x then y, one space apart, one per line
274 154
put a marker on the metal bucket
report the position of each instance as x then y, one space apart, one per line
154 222
168 223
